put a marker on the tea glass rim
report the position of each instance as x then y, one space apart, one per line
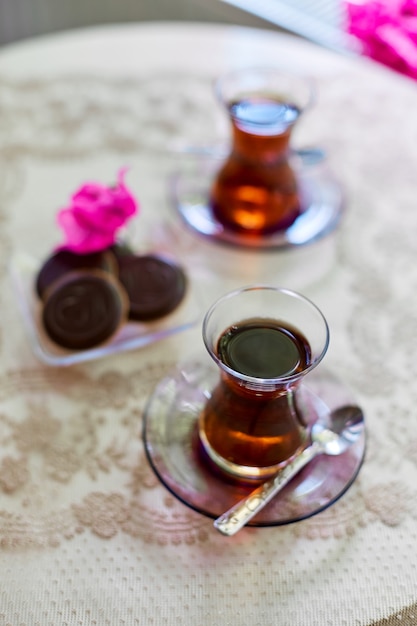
254 380
259 70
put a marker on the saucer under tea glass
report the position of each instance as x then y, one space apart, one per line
263 194
212 431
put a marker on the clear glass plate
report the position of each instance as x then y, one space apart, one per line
131 336
173 449
322 201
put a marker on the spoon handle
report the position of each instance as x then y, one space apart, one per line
243 511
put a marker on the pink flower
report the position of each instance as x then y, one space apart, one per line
388 31
94 216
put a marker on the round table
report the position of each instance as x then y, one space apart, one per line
88 535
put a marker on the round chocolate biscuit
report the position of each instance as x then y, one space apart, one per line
64 261
155 286
84 309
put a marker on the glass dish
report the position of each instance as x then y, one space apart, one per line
131 336
174 452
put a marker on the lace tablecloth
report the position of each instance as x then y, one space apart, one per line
88 535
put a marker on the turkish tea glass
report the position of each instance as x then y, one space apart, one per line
256 192
264 340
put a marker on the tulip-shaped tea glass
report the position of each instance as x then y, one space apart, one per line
263 194
264 340
256 191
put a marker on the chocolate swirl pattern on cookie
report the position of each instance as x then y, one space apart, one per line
83 309
154 286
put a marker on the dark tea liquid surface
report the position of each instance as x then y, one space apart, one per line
263 349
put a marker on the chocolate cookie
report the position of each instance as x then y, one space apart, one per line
65 261
83 309
154 286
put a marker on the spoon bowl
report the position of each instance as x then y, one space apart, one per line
343 427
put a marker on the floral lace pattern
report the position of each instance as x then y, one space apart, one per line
97 436
46 452
79 115
88 534
71 456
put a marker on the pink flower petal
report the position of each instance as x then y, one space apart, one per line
400 46
95 214
388 30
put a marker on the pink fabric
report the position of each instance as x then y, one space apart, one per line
387 30
95 215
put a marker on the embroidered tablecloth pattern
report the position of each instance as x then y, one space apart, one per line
88 535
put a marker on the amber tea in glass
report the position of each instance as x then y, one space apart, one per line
264 341
256 192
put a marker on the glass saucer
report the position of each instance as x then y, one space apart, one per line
321 198
172 446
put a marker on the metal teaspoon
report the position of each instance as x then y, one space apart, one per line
345 426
